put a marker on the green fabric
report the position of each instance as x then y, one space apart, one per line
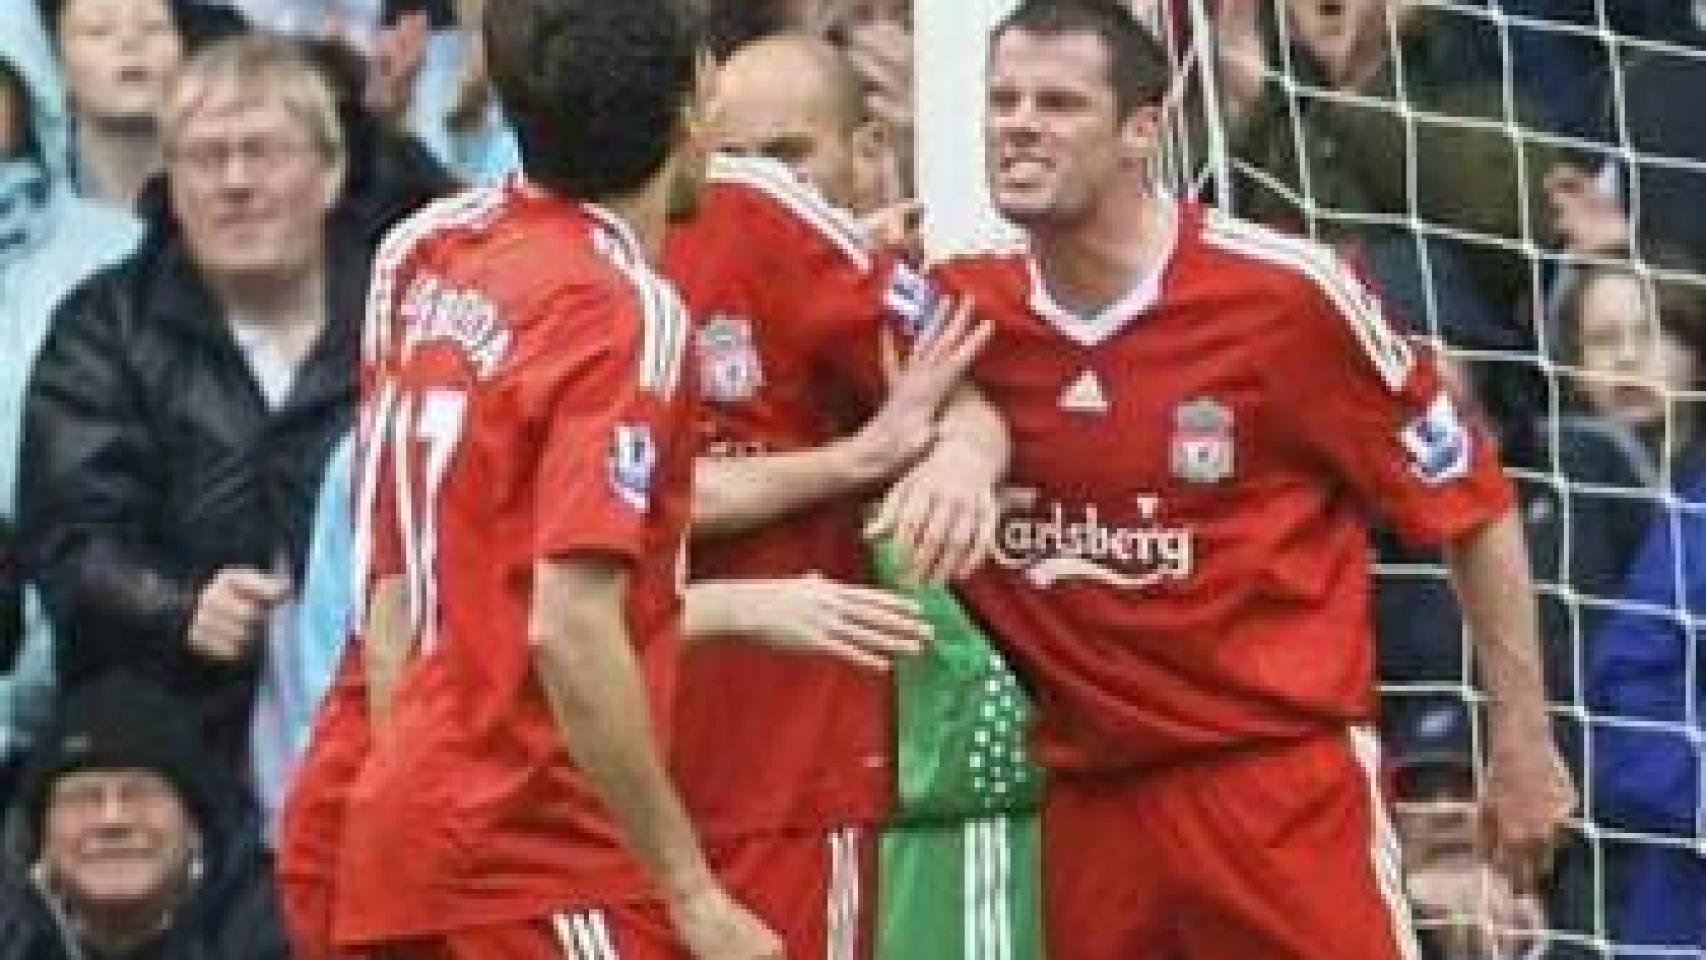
961 891
960 718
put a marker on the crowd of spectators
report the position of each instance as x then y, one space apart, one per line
188 208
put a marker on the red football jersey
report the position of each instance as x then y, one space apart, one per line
311 823
1183 562
788 309
533 406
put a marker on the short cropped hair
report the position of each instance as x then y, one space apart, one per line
1138 68
259 63
595 89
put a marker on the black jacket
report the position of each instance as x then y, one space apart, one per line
151 461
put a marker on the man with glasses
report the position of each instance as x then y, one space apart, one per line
185 401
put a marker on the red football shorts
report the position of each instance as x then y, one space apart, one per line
1279 852
635 931
815 889
312 821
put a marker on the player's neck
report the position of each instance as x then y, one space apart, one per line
646 212
1096 260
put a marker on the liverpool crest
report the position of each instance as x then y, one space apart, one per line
729 369
1202 441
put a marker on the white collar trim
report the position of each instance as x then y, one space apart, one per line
1090 330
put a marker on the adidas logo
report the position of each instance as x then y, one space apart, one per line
1084 394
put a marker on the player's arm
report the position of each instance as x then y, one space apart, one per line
943 513
735 494
387 645
867 626
1396 435
587 669
1528 791
732 495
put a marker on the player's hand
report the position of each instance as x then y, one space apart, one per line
904 428
1472 911
897 227
1527 800
230 609
714 927
866 626
942 515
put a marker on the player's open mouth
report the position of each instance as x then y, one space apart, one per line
1024 168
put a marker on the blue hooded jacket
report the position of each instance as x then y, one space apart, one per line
1649 732
50 240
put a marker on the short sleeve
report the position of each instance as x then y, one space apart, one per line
857 305
604 368
1374 406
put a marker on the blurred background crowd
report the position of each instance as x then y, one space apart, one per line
1525 180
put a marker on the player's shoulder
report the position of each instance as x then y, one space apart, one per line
981 262
1277 260
1333 303
765 195
460 213
644 313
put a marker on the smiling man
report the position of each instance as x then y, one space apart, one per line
130 856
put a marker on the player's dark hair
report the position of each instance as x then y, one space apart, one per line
594 89
1138 69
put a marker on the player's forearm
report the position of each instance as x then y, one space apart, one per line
735 494
712 608
593 684
386 645
971 421
1489 569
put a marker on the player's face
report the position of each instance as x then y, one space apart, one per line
1055 143
1629 364
793 120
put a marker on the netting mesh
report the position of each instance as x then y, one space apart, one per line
1615 550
